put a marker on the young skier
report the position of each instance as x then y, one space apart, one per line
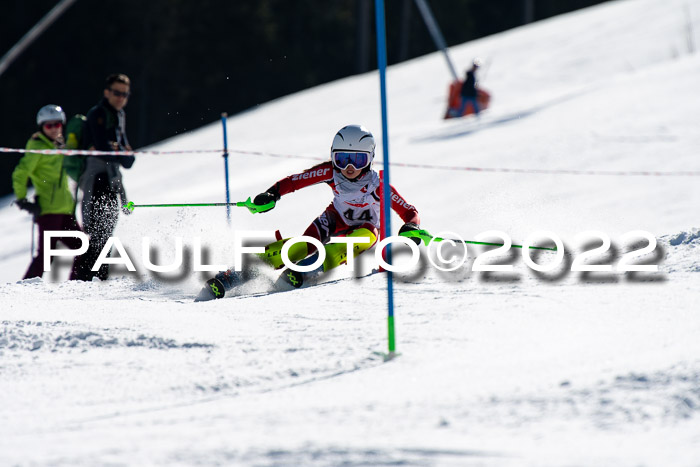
54 208
354 211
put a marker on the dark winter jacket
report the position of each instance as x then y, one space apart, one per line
469 86
105 126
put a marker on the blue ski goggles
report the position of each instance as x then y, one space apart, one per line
359 160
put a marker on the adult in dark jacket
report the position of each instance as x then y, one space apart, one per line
101 182
468 92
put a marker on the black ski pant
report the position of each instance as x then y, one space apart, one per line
99 225
58 222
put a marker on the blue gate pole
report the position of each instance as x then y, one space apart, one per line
381 58
228 196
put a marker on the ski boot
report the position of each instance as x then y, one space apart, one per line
290 279
217 286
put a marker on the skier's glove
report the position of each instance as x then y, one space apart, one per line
265 198
408 227
26 205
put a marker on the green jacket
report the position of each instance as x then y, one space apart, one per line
47 175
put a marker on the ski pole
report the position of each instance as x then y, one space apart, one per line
427 238
252 207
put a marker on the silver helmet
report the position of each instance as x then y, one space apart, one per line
50 113
355 138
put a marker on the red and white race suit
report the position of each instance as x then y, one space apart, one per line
355 202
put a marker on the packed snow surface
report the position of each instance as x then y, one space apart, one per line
494 368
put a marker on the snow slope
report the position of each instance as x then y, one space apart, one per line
513 368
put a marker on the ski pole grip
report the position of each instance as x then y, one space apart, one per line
422 234
254 208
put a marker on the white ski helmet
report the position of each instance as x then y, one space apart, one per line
50 113
354 138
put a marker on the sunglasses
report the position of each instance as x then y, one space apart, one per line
51 126
359 160
119 93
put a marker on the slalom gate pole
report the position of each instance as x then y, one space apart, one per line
386 192
228 196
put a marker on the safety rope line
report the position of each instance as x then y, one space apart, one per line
87 152
91 152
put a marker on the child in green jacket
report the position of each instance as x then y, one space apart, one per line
54 206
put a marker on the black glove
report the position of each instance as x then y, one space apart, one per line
409 227
264 198
26 205
126 211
